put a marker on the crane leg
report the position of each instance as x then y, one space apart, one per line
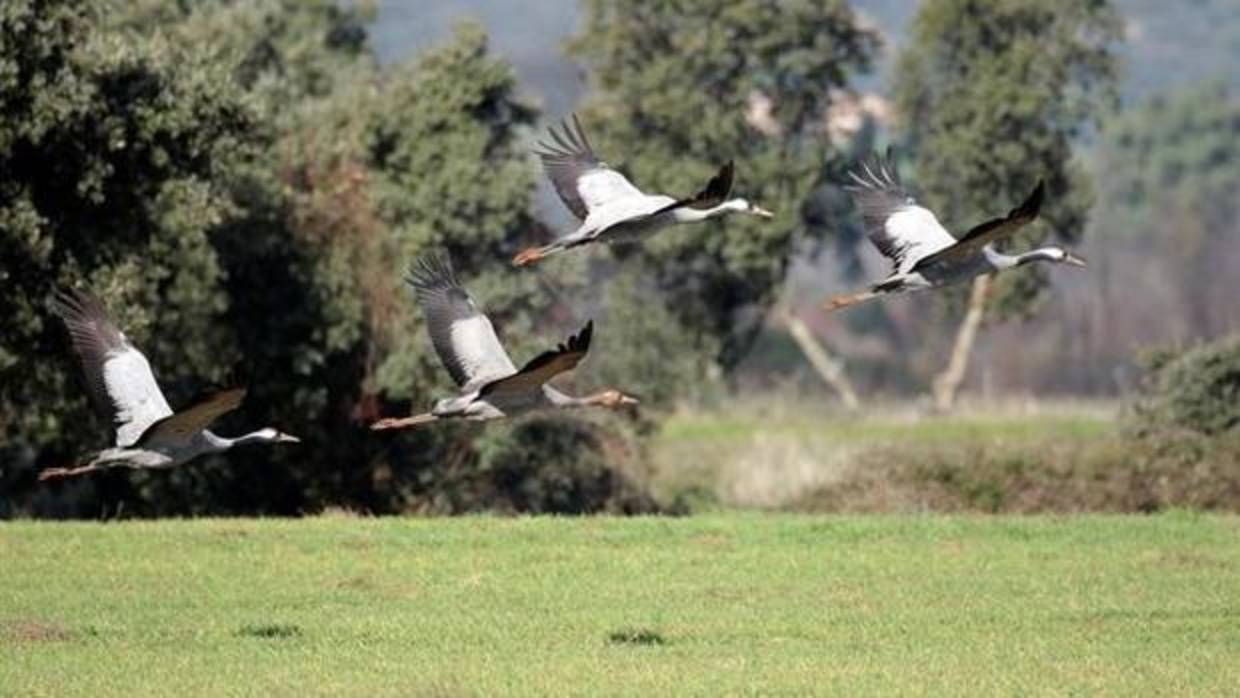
402 422
843 301
533 254
57 473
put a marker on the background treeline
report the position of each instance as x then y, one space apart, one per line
245 183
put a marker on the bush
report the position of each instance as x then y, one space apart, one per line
1111 474
549 463
1196 389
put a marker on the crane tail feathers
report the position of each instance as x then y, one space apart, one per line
402 422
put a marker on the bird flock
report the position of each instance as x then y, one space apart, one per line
924 255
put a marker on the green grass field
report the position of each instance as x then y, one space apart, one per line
715 605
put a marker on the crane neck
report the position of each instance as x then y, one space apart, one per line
999 260
604 398
688 214
1042 254
564 400
223 443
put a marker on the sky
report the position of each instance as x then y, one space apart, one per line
531 39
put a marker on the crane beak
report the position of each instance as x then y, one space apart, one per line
761 212
287 438
628 400
1074 260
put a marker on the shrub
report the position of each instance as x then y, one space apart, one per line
549 463
1112 474
1197 389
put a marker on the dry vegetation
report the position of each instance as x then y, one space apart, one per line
1010 457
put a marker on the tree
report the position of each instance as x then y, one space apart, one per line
992 96
1172 166
114 155
680 87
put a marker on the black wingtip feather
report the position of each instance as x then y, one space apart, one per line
581 134
581 342
1037 197
87 320
876 172
431 272
575 344
566 143
721 185
1032 205
716 190
71 303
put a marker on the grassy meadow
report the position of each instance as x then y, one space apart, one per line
769 604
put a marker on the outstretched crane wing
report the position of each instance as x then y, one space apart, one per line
546 365
714 193
902 230
582 180
463 337
180 427
118 376
995 229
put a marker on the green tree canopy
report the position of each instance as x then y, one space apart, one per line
115 157
1185 142
1169 170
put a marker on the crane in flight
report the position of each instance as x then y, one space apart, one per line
118 376
610 207
923 254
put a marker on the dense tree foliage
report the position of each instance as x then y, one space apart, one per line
116 156
682 87
245 187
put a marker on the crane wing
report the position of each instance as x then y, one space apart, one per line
462 335
995 229
581 179
901 229
545 366
182 426
117 374
714 193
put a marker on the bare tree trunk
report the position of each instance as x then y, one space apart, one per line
829 369
947 383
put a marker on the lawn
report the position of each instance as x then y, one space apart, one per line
712 605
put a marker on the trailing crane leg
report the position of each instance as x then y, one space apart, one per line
402 422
